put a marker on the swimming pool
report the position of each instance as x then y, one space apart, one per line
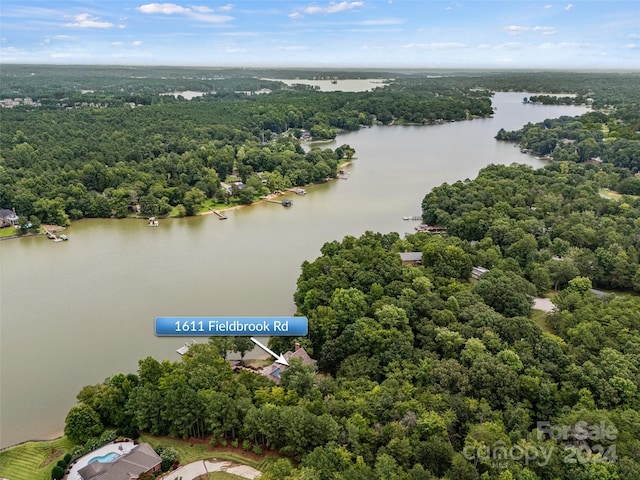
109 457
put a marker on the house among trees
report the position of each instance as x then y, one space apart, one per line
8 218
411 258
274 370
129 466
477 272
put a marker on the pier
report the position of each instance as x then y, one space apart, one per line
53 235
285 203
220 215
412 217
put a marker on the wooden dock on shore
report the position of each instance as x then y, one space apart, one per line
221 216
53 235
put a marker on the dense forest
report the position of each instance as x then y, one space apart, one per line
595 136
425 373
552 223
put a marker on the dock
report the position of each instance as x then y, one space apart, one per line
221 216
412 217
54 236
285 203
297 191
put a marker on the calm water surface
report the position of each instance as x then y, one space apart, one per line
76 312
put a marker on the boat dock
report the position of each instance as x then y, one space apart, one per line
53 235
221 216
285 203
297 191
412 217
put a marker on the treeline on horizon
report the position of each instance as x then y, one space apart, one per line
422 371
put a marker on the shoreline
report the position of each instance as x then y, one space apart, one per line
48 438
271 196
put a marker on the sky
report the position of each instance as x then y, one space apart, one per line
593 34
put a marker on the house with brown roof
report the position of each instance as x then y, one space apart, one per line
129 466
274 370
411 258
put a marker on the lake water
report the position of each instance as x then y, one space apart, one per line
346 85
76 312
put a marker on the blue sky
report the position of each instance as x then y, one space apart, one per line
596 34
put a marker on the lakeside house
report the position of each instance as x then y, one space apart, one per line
411 258
274 370
127 466
477 272
436 229
8 218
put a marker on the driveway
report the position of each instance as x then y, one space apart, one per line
202 467
543 304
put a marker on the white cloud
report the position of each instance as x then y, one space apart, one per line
116 44
631 46
332 7
569 7
227 7
136 43
548 6
545 30
165 8
84 20
483 46
634 36
515 30
199 13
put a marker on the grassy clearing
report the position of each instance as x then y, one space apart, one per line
33 460
613 195
540 318
8 232
190 452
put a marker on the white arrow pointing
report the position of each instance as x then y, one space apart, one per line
279 358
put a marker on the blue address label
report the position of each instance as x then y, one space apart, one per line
232 326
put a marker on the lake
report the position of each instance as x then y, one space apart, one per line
76 312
